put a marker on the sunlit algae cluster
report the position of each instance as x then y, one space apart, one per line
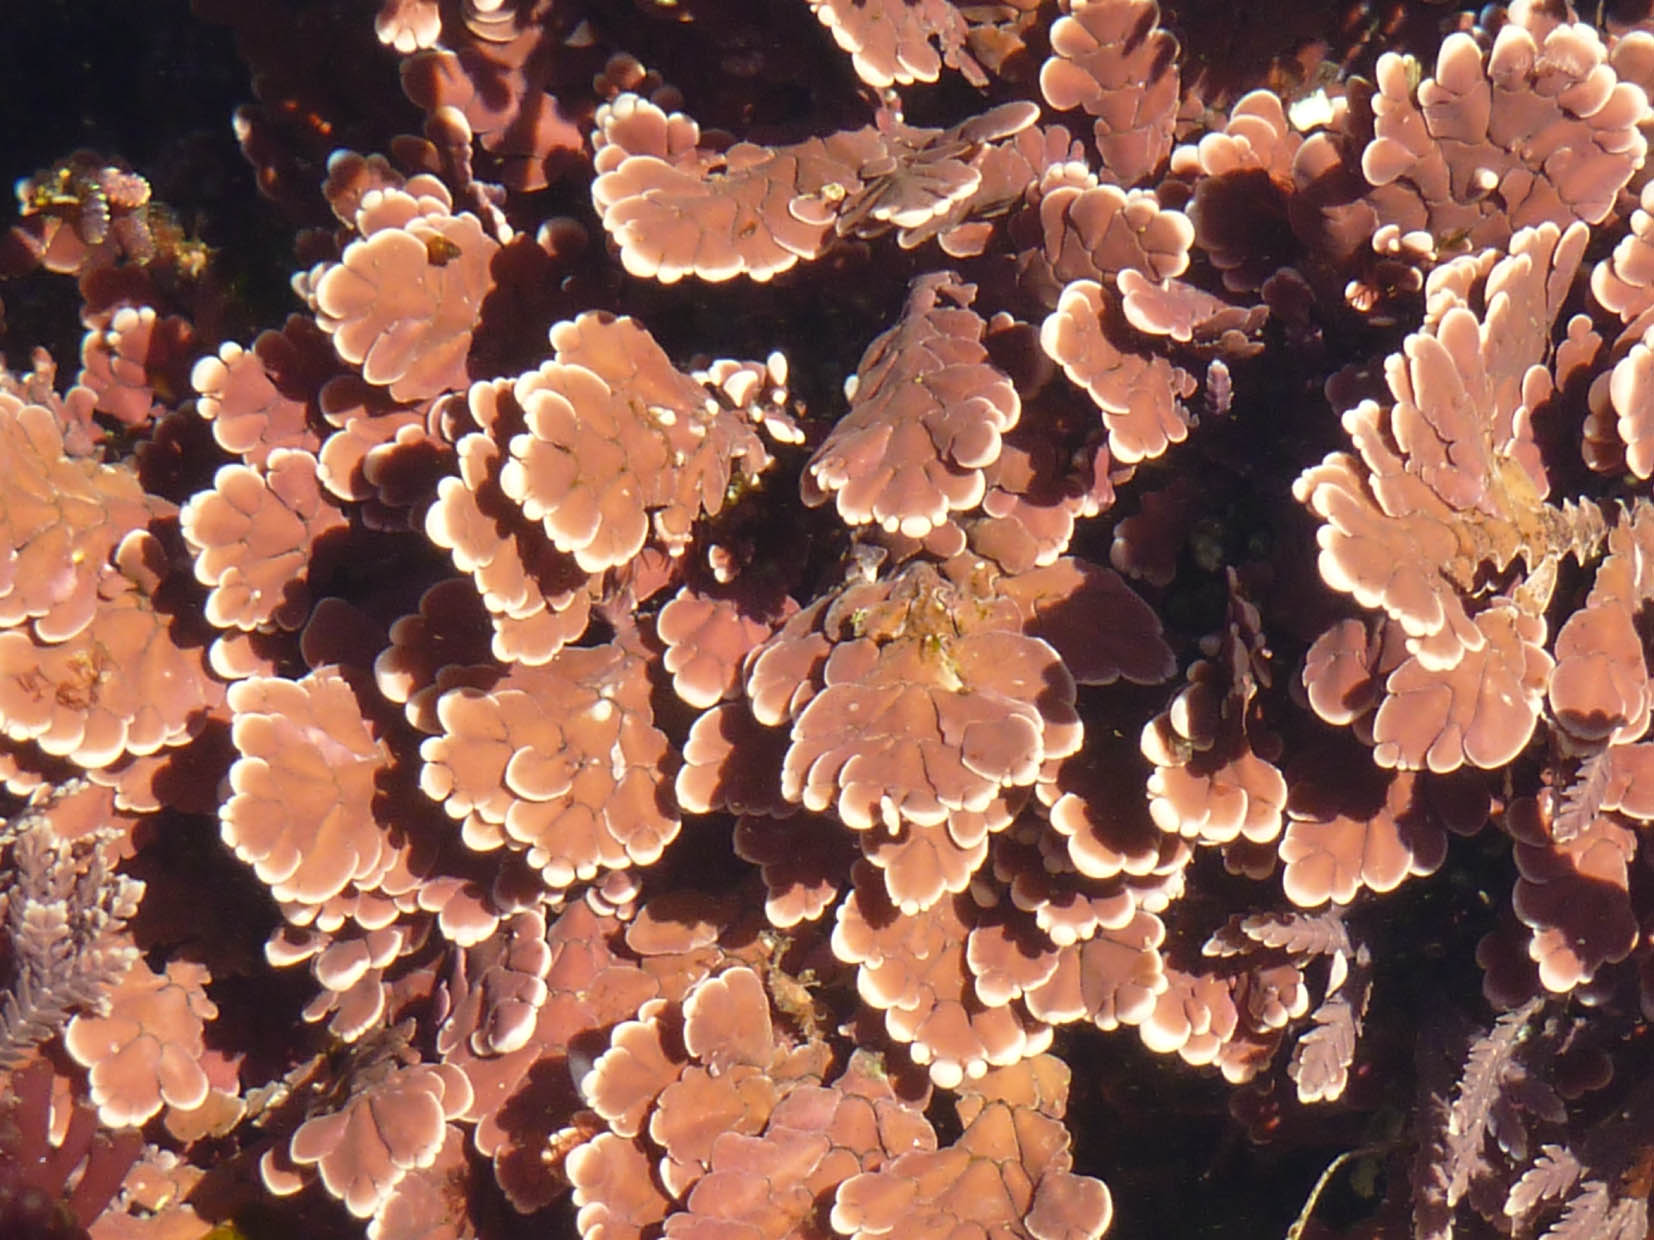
843 618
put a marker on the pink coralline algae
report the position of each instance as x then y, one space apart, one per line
700 620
